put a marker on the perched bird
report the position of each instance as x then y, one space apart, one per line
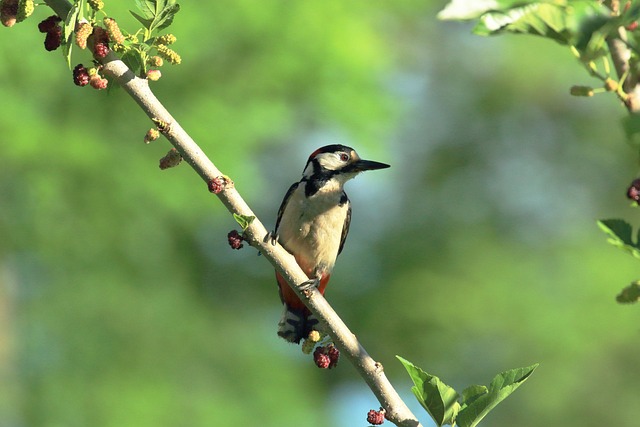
313 222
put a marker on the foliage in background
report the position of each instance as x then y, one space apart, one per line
591 30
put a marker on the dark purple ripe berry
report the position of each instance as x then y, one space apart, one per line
633 192
80 75
235 239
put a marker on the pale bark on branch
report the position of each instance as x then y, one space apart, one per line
371 371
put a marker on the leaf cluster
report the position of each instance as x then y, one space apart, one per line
137 47
584 24
621 236
156 15
447 407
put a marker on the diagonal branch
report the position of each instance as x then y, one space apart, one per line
371 371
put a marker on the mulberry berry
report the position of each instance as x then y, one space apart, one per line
97 82
114 31
581 91
53 39
80 75
321 358
375 417
151 135
166 39
172 159
235 239
168 54
100 50
49 24
96 4
25 9
83 31
8 12
154 75
334 355
155 61
216 185
633 192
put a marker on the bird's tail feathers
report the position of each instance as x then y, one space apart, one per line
296 324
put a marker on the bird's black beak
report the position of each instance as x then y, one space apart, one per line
367 165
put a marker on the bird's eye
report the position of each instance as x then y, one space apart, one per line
344 157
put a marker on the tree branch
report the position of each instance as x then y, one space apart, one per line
371 371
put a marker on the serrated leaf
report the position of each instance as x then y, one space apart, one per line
70 28
620 235
440 400
630 294
500 388
244 220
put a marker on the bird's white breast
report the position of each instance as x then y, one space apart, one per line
311 228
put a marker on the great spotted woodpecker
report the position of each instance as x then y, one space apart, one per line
313 222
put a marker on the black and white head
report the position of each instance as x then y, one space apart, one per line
339 162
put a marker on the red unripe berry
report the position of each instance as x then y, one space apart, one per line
100 50
97 82
334 355
633 26
321 358
154 75
375 417
216 185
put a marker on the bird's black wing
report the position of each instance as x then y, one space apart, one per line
347 223
284 203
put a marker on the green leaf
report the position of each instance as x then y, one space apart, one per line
471 393
462 10
156 14
440 400
244 220
500 388
630 294
144 21
133 59
166 16
70 28
584 24
620 235
147 8
631 126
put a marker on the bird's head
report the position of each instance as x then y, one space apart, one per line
338 161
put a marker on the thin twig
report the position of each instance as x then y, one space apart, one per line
371 371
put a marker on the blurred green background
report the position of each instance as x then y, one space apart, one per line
121 303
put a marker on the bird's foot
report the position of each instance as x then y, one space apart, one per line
311 283
271 237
